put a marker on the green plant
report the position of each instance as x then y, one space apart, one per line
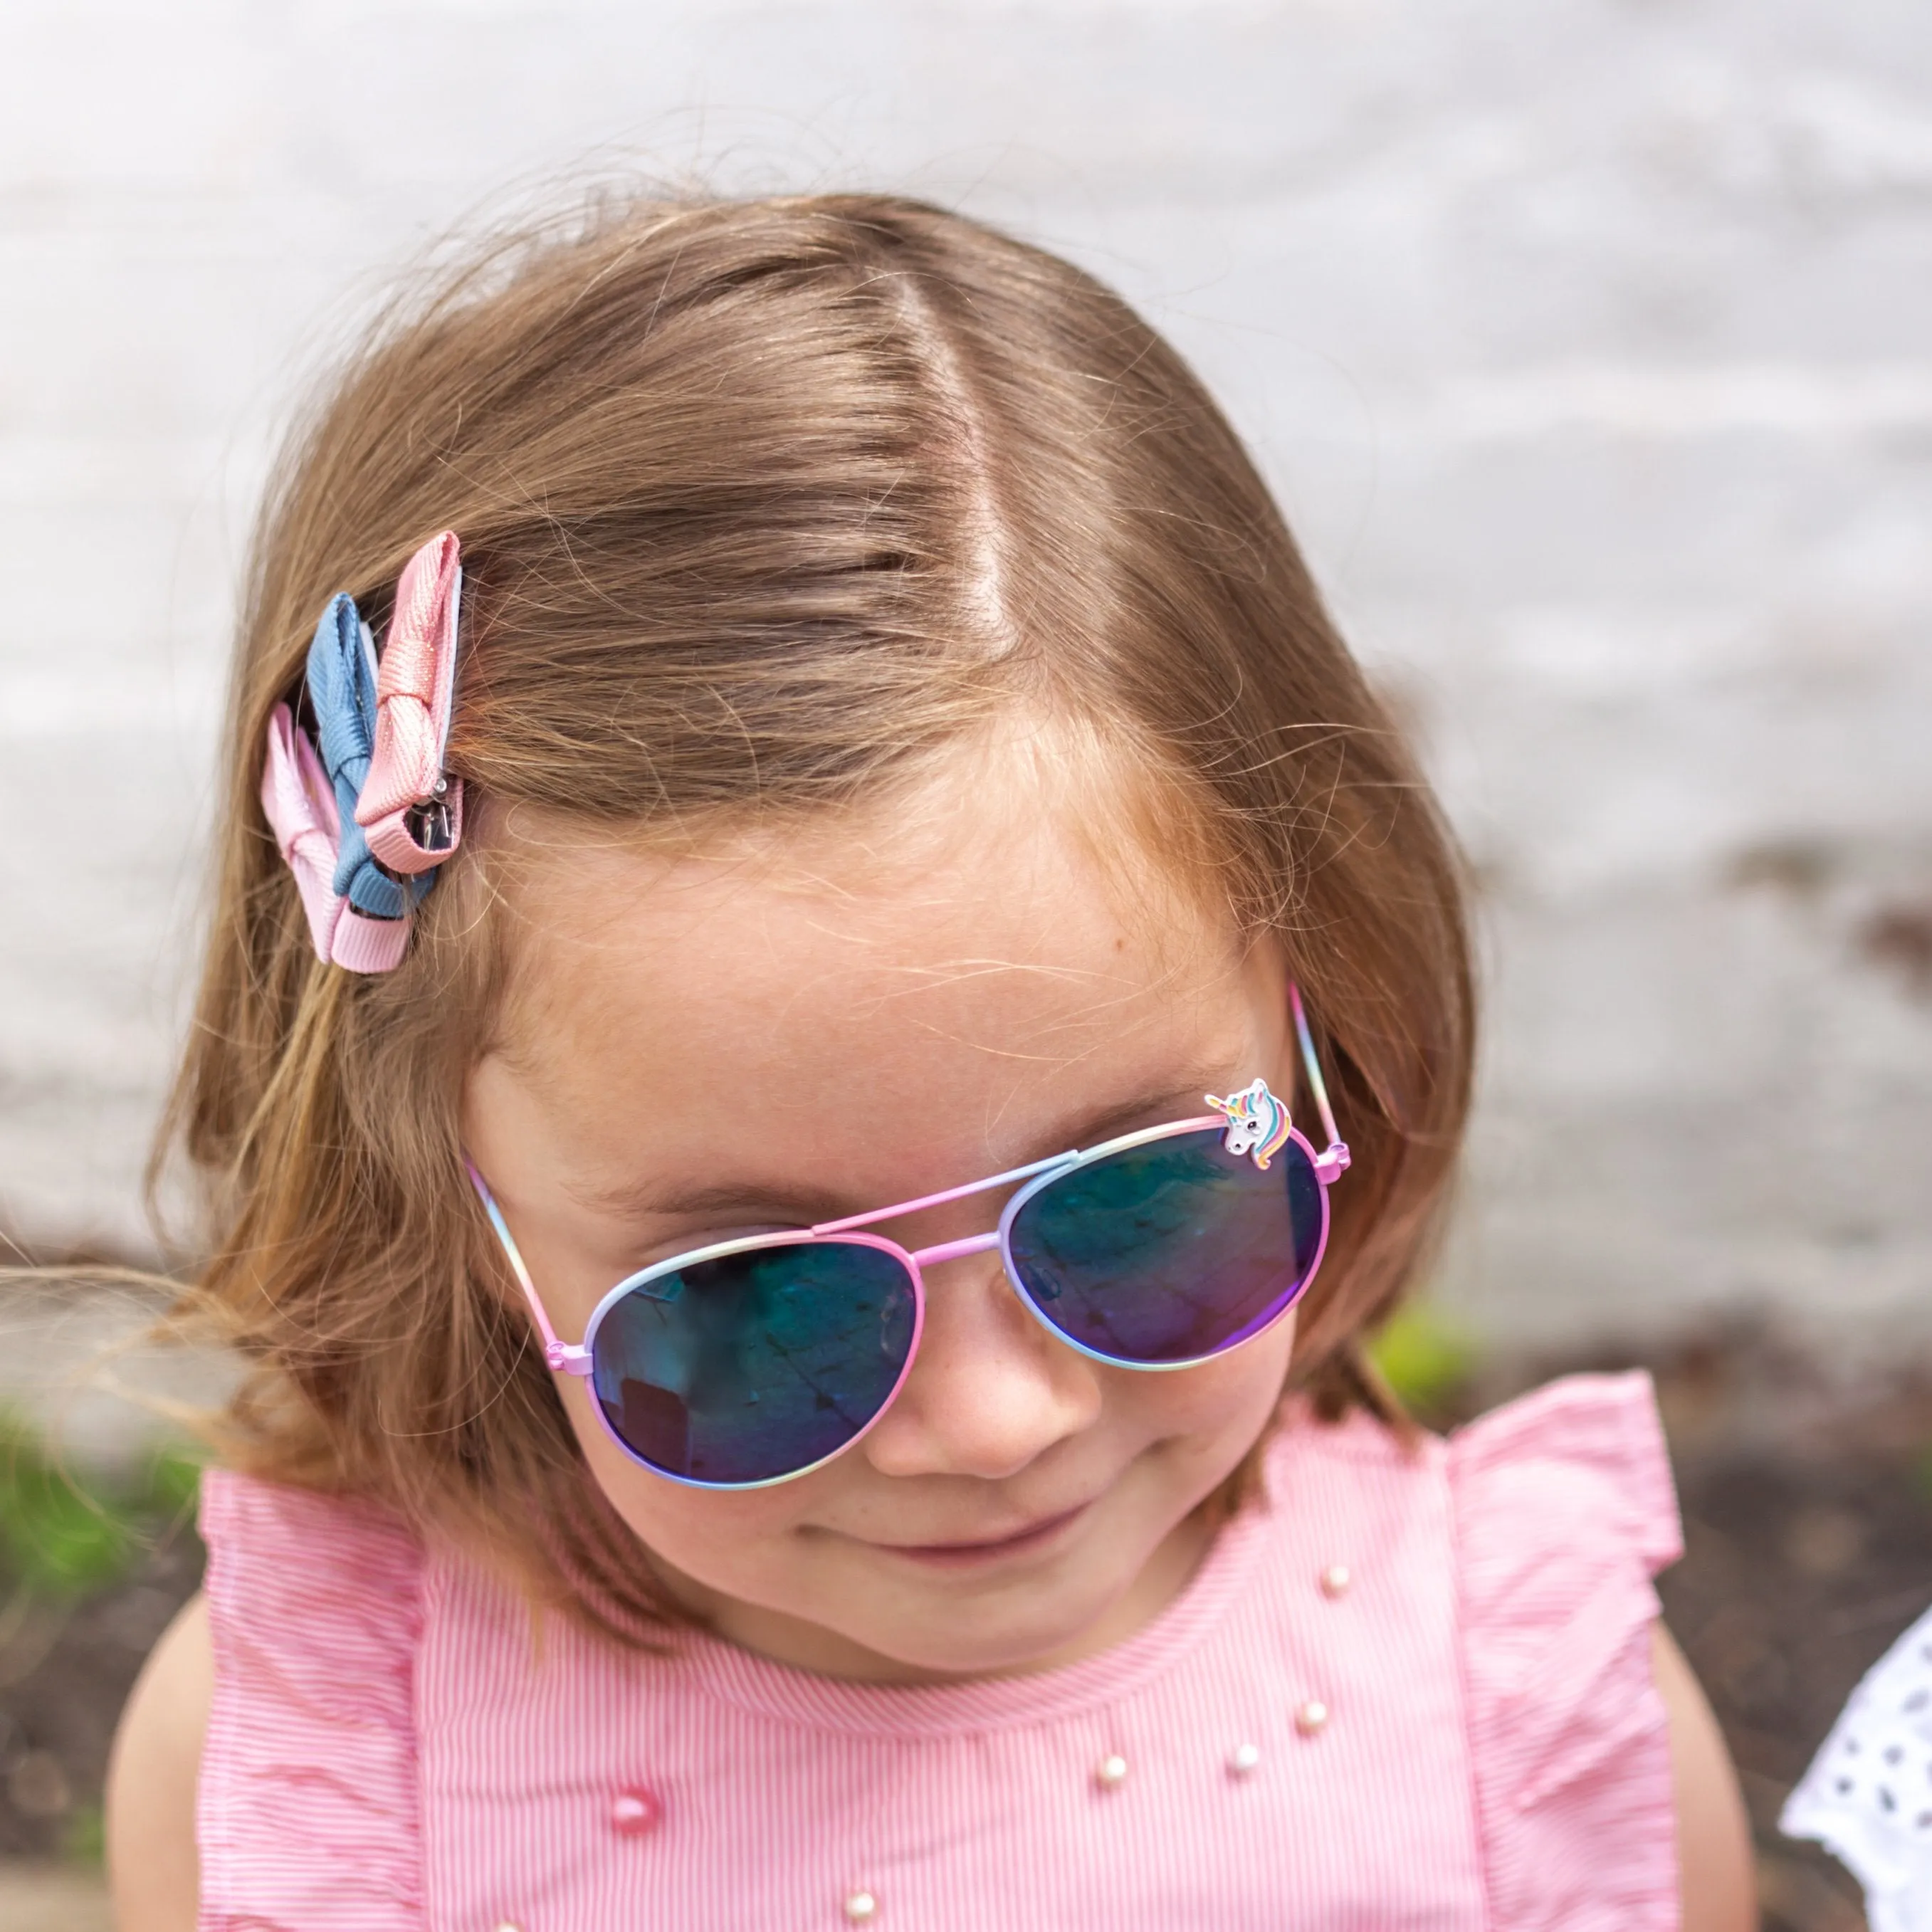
63 1537
85 1842
173 1482
60 1540
1424 1356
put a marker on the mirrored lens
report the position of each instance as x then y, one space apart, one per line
756 1365
1171 1250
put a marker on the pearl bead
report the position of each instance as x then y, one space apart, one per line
1110 1771
635 1811
1310 1717
1244 1759
1336 1579
860 1905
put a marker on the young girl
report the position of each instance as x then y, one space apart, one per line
813 718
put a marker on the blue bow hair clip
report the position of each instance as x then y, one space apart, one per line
342 679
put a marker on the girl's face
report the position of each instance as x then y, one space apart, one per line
776 1034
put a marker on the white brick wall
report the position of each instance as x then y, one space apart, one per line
1590 344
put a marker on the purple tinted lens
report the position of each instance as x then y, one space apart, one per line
1170 1251
753 1366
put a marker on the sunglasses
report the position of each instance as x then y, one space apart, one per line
752 1361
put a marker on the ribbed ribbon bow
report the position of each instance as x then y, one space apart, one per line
364 815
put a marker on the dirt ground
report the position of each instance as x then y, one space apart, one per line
1807 1505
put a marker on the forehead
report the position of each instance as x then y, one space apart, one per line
991 933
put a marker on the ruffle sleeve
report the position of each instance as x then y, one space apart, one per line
1565 1509
307 1817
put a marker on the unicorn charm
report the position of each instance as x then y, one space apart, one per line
1258 1124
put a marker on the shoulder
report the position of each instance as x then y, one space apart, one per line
151 1780
306 1786
1593 1752
1574 1475
1577 1469
1716 1870
1527 1542
313 1612
310 1552
317 1595
1562 1508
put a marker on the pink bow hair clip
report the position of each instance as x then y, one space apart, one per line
411 810
301 809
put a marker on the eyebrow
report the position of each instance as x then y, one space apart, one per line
774 1201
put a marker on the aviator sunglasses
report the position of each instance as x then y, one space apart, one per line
751 1361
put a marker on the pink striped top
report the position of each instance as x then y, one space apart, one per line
1413 1691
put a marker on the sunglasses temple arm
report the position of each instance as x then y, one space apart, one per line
1336 1157
558 1353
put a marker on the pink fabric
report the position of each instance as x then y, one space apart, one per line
1565 1509
388 1748
300 810
415 690
299 804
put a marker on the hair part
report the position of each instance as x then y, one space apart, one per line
763 504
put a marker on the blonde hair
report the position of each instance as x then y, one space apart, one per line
761 503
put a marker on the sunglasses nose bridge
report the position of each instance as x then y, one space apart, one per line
953 1251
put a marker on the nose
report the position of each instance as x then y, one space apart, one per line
990 1391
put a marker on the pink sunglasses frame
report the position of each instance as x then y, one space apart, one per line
575 1359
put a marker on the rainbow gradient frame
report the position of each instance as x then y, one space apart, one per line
1254 1121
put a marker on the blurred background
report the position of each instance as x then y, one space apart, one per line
1588 343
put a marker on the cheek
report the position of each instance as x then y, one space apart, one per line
1222 1404
717 1537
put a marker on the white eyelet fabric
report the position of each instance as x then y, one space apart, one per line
1867 1796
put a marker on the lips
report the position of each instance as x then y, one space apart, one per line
1037 1537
